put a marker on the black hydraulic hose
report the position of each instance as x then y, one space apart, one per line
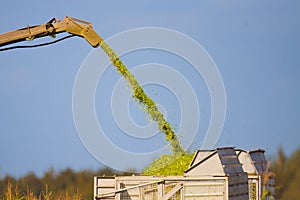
36 45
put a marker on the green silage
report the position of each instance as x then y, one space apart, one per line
179 160
139 94
168 165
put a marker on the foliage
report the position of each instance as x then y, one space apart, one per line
287 175
63 185
13 193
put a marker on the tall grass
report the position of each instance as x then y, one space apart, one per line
14 193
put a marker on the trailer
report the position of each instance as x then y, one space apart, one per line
212 175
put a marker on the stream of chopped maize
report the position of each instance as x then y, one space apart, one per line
150 108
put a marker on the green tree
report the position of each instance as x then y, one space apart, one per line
287 175
292 177
279 168
31 181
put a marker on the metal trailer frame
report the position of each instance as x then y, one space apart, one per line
171 187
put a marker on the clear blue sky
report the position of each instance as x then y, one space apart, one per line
255 45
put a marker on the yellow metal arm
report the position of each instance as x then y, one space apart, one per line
71 25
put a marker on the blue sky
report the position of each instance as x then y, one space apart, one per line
255 45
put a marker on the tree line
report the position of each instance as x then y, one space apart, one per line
57 184
68 181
